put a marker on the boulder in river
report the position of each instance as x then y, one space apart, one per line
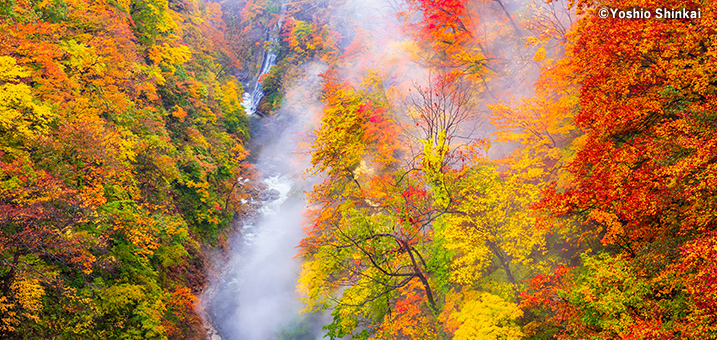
274 194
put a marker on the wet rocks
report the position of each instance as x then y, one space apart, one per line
274 194
262 192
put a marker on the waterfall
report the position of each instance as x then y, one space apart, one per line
268 60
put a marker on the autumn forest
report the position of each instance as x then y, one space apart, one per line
461 169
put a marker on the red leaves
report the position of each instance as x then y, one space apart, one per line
635 107
652 329
441 16
543 289
410 317
445 26
30 197
414 194
182 306
698 271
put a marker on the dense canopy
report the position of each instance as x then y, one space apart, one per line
484 169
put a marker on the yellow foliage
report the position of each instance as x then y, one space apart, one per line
82 57
310 286
169 56
230 97
175 227
20 118
10 71
155 73
8 316
206 116
124 4
480 315
539 54
497 221
28 292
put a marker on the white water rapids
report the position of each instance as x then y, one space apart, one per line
255 296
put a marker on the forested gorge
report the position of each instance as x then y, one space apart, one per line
481 169
121 138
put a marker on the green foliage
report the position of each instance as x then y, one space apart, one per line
607 291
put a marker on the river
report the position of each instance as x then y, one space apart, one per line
255 296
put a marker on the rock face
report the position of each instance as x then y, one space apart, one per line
264 196
263 193
212 333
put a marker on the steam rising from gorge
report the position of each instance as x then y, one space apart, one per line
255 297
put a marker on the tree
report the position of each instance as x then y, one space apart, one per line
21 118
356 241
112 139
494 229
370 243
628 184
476 40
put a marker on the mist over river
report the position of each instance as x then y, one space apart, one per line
255 297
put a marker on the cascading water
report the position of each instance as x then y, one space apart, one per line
268 60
